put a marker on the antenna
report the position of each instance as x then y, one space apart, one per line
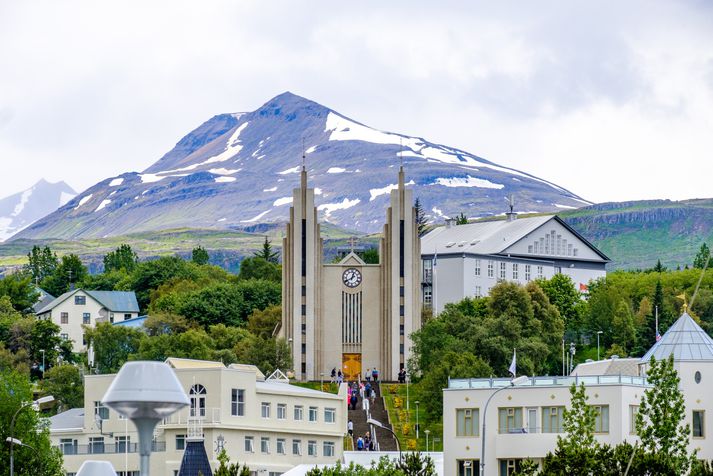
303 153
511 202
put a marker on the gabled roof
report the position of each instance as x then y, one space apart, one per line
490 237
115 301
626 366
135 322
180 363
685 340
69 420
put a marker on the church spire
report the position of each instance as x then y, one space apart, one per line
303 172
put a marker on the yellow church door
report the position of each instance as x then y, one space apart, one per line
351 366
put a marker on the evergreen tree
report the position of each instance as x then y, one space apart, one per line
267 253
659 268
702 257
227 469
199 255
121 258
659 422
421 222
42 262
461 219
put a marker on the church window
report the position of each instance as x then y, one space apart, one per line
503 266
304 348
197 396
477 267
491 269
515 270
401 329
698 420
528 272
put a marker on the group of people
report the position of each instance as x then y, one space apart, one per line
360 390
364 442
372 374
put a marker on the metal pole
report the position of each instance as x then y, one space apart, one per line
43 363
12 437
598 345
417 420
482 437
145 427
407 400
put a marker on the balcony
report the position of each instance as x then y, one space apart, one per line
478 383
103 449
205 416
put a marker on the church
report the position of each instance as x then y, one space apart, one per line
350 315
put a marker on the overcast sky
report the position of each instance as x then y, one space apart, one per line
612 100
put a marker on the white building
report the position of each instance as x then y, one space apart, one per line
78 307
472 258
523 421
267 423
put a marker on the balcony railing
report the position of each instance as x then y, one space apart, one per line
113 448
549 381
204 415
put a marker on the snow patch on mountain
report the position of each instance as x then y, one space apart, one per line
256 217
116 181
467 181
328 208
376 192
293 170
24 198
282 201
225 179
103 205
271 189
311 149
150 178
223 171
83 200
336 170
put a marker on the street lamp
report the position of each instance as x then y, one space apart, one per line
598 332
427 432
517 381
378 424
145 392
417 402
96 468
14 441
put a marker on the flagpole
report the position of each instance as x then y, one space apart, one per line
656 312
433 285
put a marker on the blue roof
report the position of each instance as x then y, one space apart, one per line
685 340
195 460
136 322
116 300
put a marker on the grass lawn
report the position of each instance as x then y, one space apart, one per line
327 387
405 421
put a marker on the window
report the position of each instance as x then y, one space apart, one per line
265 444
558 270
197 396
80 300
64 318
249 448
180 442
552 419
265 409
468 467
503 266
491 268
698 424
68 446
633 411
312 413
64 336
86 318
508 467
299 412
467 422
330 415
601 424
281 411
427 295
427 270
515 270
311 448
237 402
280 446
540 272
478 291
127 317
528 272
510 420
101 410
477 267
328 448
96 444
297 447
121 444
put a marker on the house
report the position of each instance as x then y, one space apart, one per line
523 421
459 261
78 308
267 423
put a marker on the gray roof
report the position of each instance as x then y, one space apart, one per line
115 301
42 301
685 340
488 237
71 419
627 366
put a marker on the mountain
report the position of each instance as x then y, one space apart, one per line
636 234
22 209
238 170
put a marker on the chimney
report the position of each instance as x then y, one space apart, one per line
511 215
450 222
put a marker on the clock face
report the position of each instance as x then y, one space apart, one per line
351 277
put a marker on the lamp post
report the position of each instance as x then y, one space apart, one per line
96 468
513 382
417 402
43 363
598 332
427 432
145 393
572 351
14 441
378 424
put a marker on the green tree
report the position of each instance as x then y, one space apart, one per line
121 258
69 271
623 330
461 219
421 222
65 384
370 255
267 354
44 336
19 288
159 324
548 318
702 257
659 422
263 322
149 275
41 263
659 268
199 255
113 345
266 253
106 281
561 292
191 344
257 268
227 469
44 460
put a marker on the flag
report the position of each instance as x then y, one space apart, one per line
583 288
435 258
513 365
658 335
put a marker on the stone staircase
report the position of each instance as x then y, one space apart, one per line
378 412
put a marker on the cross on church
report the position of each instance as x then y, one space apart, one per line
352 242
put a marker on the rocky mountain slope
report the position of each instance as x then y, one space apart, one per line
22 209
238 170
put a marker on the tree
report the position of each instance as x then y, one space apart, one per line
199 255
257 268
69 271
561 293
266 354
266 253
461 219
659 422
121 258
19 288
421 223
44 336
149 275
65 384
413 464
370 255
659 268
623 330
44 460
702 257
41 263
112 345
191 344
263 322
227 469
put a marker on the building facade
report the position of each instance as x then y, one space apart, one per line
265 423
523 421
78 308
459 261
350 314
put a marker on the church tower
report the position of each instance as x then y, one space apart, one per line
350 315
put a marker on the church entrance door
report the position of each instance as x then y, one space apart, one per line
351 366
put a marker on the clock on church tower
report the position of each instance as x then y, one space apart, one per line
351 277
